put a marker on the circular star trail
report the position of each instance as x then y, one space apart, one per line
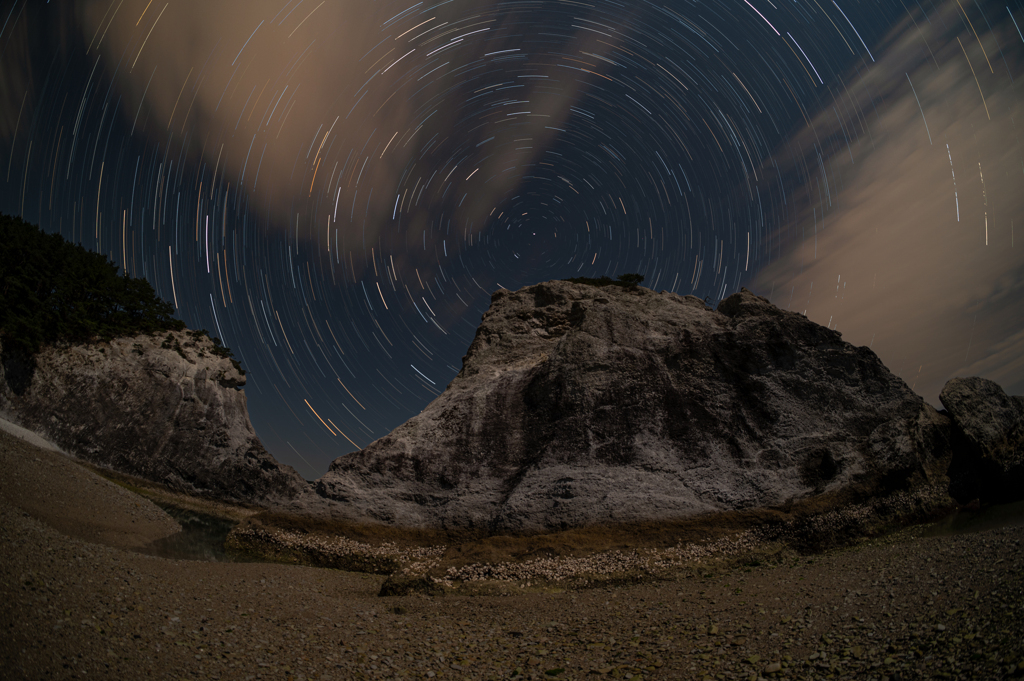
335 189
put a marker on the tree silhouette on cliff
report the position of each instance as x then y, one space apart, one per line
53 291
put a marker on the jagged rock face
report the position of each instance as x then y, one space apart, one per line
164 408
580 405
988 439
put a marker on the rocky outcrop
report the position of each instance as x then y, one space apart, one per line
580 405
166 408
988 441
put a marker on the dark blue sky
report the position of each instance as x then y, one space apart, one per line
335 189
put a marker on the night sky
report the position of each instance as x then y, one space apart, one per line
335 188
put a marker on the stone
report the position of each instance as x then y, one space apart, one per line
579 405
164 408
398 584
988 441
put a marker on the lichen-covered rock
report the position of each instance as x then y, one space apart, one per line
166 408
988 451
579 405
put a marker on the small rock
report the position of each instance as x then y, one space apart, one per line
403 585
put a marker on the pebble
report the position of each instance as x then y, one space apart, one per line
126 615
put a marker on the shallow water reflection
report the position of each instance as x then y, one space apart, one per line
202 537
989 518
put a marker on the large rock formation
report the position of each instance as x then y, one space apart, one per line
166 408
988 441
581 405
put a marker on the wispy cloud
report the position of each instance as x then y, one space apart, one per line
911 239
338 119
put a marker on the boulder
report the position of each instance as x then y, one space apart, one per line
581 405
399 584
988 441
166 408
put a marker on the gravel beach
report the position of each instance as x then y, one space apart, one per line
79 601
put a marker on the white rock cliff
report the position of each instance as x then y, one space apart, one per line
580 405
166 408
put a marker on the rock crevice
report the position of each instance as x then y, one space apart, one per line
166 408
578 405
988 437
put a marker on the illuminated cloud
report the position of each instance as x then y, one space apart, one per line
894 251
330 115
337 187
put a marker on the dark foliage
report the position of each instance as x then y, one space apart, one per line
218 348
626 281
54 291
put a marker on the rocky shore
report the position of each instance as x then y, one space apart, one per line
582 557
79 603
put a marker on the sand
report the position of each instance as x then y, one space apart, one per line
79 602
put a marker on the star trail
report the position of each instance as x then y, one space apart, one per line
335 189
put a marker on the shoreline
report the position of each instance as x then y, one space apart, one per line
432 561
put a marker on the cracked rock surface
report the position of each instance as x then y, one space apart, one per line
988 439
165 408
580 405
